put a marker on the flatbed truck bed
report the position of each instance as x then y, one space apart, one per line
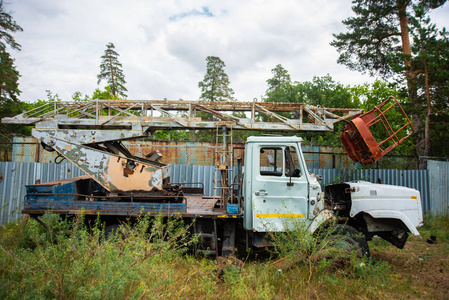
195 207
63 197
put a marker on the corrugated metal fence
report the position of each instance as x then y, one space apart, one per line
438 184
417 179
14 176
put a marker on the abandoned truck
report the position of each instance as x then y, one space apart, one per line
275 187
271 189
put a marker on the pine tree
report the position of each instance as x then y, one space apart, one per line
215 85
280 88
379 29
10 104
9 78
111 71
430 64
280 78
7 25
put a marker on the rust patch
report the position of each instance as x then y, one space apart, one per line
127 171
360 143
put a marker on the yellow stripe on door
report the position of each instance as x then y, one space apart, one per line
280 216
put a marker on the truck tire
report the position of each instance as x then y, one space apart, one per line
350 240
111 230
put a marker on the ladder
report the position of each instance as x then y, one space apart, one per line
224 163
207 232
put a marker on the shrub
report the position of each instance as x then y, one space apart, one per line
75 261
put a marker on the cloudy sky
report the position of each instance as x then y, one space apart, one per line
163 44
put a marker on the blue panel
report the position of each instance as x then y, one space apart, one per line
116 208
232 208
54 191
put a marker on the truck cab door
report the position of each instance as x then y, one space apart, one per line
279 187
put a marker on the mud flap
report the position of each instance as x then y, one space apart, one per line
396 238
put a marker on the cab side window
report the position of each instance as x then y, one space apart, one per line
292 167
271 162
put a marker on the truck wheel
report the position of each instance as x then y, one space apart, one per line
111 230
350 240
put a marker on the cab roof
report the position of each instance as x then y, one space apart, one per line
274 139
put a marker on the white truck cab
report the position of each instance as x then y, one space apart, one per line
277 186
279 190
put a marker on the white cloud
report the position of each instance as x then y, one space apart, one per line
163 44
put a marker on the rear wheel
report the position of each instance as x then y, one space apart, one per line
113 230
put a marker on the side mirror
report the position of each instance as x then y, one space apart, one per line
270 160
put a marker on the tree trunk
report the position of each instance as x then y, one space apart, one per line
113 86
427 123
411 81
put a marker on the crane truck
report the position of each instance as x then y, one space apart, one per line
266 190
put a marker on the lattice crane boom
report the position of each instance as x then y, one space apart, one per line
149 115
89 133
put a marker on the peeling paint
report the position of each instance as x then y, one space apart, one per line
113 172
146 181
156 178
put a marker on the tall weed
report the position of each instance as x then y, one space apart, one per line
74 261
148 259
319 259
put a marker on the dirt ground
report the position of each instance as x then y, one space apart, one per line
420 270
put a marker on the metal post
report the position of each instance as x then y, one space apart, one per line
97 113
224 169
225 145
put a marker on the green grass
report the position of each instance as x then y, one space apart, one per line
150 260
437 226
